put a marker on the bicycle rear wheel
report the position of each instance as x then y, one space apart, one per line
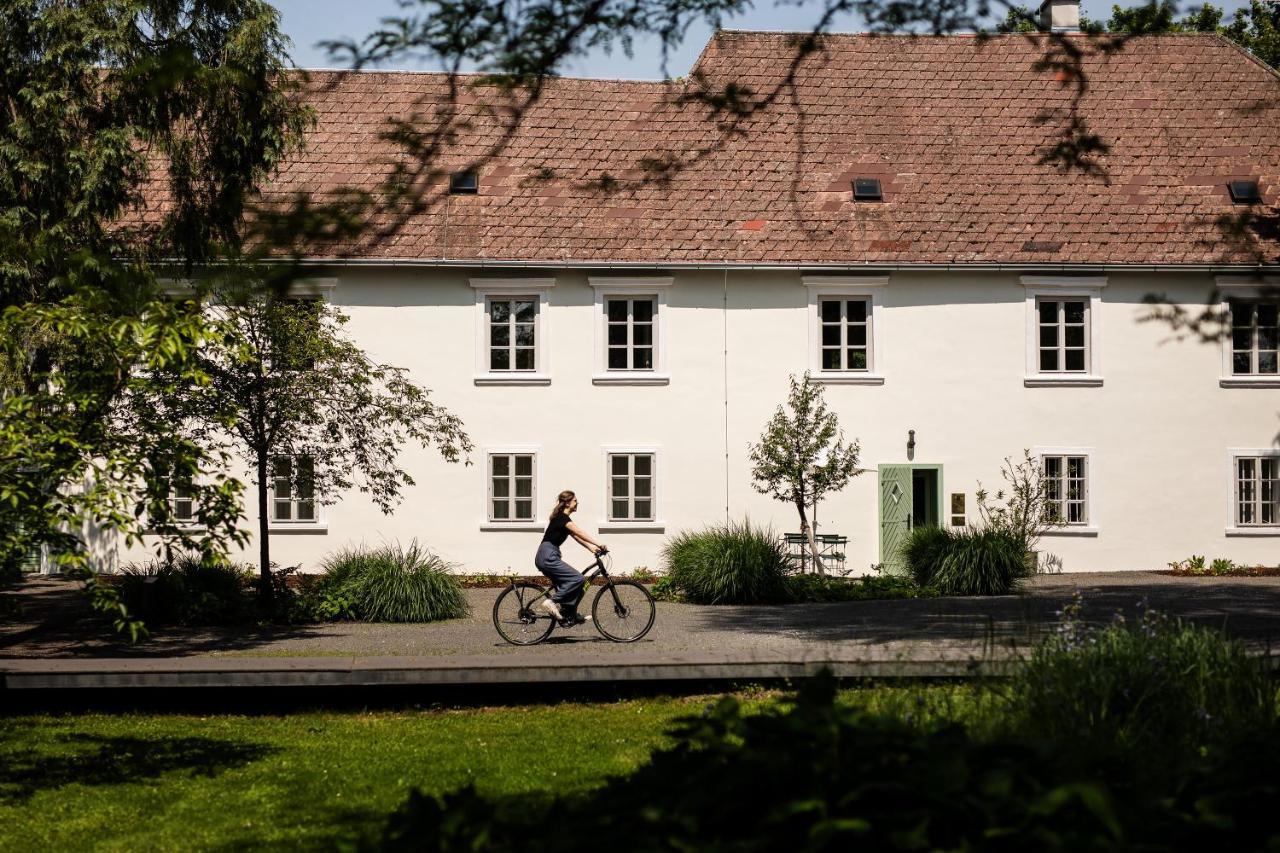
623 611
516 619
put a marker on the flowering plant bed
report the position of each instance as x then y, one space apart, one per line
1232 572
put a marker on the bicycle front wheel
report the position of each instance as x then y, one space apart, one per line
623 611
516 618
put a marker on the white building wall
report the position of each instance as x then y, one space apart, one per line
953 354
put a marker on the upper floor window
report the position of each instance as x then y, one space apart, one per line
511 486
292 490
1063 330
511 331
843 343
631 330
1255 337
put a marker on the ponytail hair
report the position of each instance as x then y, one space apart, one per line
562 503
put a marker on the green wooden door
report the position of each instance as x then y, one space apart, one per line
895 514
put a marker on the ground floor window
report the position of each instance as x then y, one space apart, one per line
511 493
1257 491
292 490
631 486
1067 488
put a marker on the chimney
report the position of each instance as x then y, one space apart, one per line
1060 16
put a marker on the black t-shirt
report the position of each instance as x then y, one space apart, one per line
558 530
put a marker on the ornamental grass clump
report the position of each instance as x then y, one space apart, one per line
924 551
732 563
187 590
980 562
393 583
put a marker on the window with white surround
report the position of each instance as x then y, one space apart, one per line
631 486
512 496
845 328
1064 333
511 331
1069 495
1254 337
1255 496
631 339
180 499
293 500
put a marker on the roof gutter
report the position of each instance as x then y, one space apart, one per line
476 263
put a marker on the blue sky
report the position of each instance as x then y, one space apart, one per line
307 22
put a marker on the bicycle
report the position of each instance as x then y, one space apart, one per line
623 610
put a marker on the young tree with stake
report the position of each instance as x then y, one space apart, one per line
802 455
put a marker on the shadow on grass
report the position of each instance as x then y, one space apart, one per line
27 770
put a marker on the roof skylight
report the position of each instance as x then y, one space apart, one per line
867 189
1244 192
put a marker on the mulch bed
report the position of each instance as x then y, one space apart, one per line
1234 572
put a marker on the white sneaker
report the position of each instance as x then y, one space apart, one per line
552 608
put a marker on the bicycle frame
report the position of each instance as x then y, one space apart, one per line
596 569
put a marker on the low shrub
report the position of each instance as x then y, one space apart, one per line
733 563
980 562
924 551
824 588
392 583
1154 691
188 590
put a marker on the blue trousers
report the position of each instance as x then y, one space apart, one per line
567 580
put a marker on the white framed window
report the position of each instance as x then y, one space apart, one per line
512 486
511 331
1064 330
292 503
1251 332
631 489
183 509
1068 477
1255 492
845 328
631 330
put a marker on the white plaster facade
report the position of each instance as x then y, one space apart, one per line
1156 417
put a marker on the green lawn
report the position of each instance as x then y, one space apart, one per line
157 782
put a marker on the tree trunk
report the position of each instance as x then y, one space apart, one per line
807 532
264 537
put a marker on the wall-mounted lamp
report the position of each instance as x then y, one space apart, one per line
911 444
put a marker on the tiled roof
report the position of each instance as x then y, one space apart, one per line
954 127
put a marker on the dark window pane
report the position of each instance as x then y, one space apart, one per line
499 359
1240 363
499 336
617 335
1266 362
643 358
1048 359
857 310
1048 312
524 359
1074 336
284 511
617 359
617 310
644 509
1074 312
1048 336
642 335
1075 467
642 311
1241 314
524 466
1266 337
1241 338
502 488
499 312
1053 466
525 311
620 465
857 359
620 510
831 336
501 465
830 311
524 510
858 336
1075 359
306 511
618 488
524 488
643 466
1075 513
642 487
500 509
831 359
524 335
1267 314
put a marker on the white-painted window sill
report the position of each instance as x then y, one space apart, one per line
318 528
631 379
1048 381
1253 531
631 526
848 378
527 526
513 379
1073 530
1249 382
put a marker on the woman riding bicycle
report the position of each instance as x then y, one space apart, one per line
568 581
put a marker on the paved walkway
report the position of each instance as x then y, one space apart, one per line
56 642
